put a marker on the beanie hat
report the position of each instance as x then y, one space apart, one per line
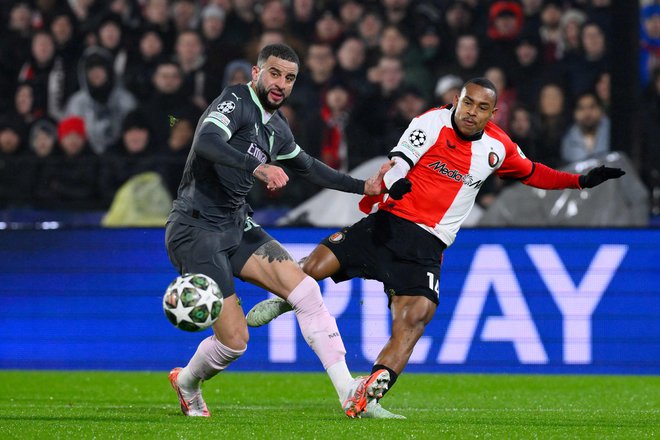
72 124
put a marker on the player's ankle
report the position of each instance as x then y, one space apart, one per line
187 381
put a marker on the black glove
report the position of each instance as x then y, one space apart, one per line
399 188
600 175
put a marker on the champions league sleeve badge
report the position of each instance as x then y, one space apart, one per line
417 138
226 106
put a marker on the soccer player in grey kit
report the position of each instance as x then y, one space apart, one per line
210 231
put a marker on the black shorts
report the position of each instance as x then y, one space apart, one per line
219 254
394 251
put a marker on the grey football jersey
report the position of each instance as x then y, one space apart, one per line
208 191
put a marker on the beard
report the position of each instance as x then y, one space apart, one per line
262 94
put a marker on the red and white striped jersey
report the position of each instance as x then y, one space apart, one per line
448 170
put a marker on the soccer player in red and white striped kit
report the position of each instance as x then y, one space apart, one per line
437 169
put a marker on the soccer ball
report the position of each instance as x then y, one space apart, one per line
192 302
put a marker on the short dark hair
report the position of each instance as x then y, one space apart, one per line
483 82
282 51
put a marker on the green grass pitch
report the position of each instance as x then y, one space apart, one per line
129 405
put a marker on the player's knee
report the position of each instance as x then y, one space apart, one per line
311 266
237 339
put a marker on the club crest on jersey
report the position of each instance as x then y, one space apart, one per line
493 159
226 106
337 237
417 138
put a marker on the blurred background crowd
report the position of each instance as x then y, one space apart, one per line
94 92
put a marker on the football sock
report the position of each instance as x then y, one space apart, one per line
211 357
320 331
341 379
393 376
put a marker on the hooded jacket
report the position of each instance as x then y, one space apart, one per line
103 108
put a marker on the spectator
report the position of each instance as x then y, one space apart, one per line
528 72
110 37
532 13
185 15
68 181
101 102
143 63
395 43
603 91
590 133
241 22
351 57
506 96
189 54
649 54
334 114
129 11
569 27
550 32
523 130
43 138
67 46
505 22
303 18
410 103
458 20
16 168
46 72
168 101
350 14
274 16
219 50
369 29
156 15
584 71
467 62
131 155
329 28
311 84
552 123
374 111
16 39
237 72
397 12
447 87
24 109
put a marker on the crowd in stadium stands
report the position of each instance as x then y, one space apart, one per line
93 92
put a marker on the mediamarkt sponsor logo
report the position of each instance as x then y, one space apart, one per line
467 179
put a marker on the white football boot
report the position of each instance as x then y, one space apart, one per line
376 411
265 311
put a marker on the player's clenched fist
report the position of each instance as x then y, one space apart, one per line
274 177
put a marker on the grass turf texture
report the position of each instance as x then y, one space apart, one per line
85 405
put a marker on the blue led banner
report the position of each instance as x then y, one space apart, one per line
531 300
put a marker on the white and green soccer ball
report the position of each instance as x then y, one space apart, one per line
192 302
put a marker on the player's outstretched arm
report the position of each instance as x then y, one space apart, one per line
599 175
545 177
318 173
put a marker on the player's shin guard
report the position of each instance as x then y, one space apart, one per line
316 324
211 357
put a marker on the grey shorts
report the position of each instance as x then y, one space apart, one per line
219 254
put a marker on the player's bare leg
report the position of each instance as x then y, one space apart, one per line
214 354
410 315
320 264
